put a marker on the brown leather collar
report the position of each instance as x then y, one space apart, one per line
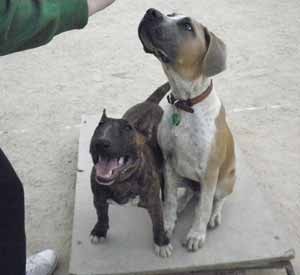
186 105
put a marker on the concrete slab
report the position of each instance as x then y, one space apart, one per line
248 232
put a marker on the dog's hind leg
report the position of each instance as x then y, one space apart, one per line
216 216
184 200
224 188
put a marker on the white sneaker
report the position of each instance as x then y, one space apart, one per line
43 263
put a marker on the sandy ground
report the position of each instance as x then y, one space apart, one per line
44 93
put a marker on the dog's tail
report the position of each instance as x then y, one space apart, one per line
159 93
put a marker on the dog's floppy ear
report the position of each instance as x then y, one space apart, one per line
214 61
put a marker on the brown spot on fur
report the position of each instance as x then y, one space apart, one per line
225 153
191 53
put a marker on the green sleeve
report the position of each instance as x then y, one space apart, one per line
26 24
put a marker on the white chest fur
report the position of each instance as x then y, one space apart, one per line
187 146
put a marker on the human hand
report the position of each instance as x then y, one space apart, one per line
97 5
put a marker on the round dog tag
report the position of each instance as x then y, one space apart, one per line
176 119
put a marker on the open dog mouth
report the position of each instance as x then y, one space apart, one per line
108 169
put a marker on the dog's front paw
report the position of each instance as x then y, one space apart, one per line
194 241
96 240
164 251
98 234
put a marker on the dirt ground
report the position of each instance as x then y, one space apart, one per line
44 92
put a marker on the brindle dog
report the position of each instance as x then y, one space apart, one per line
127 166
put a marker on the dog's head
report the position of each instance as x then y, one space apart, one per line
183 44
115 150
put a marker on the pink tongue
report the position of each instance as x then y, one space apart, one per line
104 168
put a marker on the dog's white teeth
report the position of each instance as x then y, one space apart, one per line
99 158
121 161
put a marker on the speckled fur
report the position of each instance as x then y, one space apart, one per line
199 152
193 151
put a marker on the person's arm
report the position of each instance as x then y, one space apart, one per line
26 24
96 5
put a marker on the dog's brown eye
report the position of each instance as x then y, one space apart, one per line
188 27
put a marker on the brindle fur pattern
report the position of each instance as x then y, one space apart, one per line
143 180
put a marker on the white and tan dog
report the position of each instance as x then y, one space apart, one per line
197 144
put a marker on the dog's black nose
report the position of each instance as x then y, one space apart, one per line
102 144
155 14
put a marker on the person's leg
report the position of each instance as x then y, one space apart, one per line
12 229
